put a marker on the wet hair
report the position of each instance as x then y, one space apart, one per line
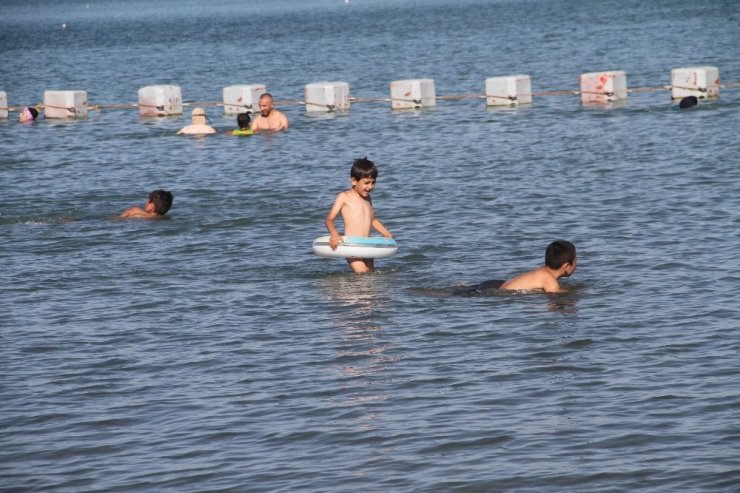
559 252
162 201
266 95
242 119
363 168
34 112
688 102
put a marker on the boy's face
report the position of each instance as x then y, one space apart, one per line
570 268
363 186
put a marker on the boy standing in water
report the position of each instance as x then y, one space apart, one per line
560 261
357 212
157 205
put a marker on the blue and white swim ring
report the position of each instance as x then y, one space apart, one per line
356 246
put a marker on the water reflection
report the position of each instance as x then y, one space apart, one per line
363 352
563 304
364 307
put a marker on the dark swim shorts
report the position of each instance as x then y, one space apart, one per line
489 285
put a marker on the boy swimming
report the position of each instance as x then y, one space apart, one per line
357 212
157 205
560 261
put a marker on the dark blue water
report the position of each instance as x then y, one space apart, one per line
214 352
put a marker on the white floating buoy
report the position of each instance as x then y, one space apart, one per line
160 100
327 96
243 99
701 82
65 104
3 105
603 87
508 91
64 26
413 93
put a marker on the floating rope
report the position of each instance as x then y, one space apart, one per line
71 109
294 102
513 99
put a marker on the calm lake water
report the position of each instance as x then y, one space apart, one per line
214 352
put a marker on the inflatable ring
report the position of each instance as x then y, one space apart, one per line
356 246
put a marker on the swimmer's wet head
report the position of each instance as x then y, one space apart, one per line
161 201
243 120
28 114
688 102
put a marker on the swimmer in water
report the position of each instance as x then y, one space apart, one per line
269 118
157 205
198 127
28 114
243 120
357 212
560 261
688 102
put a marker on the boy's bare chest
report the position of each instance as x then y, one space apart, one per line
358 206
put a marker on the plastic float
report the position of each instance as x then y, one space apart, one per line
65 104
327 96
3 105
413 93
356 246
511 90
598 87
161 100
243 99
603 87
701 82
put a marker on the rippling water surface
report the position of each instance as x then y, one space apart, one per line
214 352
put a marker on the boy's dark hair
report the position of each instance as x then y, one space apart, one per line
162 201
559 252
34 112
242 119
363 168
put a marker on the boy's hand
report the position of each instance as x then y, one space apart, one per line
334 241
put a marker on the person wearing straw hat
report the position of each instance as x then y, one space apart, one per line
199 126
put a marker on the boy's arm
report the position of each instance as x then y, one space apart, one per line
551 285
378 226
329 221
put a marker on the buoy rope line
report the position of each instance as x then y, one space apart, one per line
509 98
291 102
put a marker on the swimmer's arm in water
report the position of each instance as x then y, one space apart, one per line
330 217
283 122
